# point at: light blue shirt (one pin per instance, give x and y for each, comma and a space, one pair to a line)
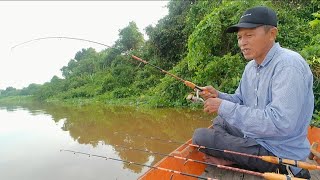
274, 103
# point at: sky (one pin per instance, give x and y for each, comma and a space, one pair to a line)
38, 61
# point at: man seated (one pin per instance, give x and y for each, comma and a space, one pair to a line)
270, 111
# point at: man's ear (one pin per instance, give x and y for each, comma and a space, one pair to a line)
273, 33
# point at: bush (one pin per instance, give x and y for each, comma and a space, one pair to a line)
123, 92
316, 119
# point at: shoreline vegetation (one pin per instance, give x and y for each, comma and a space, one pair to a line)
189, 42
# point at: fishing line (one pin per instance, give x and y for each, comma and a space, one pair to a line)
139, 164
268, 176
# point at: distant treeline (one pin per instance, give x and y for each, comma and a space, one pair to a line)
190, 42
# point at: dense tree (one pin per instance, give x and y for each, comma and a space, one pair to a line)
129, 38
30, 90
168, 36
10, 91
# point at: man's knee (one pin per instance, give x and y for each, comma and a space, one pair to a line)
199, 136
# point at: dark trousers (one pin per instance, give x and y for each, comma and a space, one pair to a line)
226, 137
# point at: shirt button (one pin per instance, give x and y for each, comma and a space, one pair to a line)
255, 105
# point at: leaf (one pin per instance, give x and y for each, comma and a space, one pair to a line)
314, 23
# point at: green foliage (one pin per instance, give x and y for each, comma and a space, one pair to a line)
204, 41
10, 91
85, 54
294, 31
224, 73
30, 90
129, 38
109, 83
81, 92
145, 79
45, 92
108, 56
123, 92
316, 21
197, 12
189, 42
203, 61
83, 63
171, 92
168, 37
316, 119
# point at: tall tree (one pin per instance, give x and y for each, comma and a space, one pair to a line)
130, 38
168, 36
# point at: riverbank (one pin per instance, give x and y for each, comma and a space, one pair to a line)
141, 102
138, 102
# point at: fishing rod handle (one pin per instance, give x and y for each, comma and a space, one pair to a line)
300, 164
274, 176
139, 59
194, 86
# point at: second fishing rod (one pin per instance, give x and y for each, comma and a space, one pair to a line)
266, 175
270, 159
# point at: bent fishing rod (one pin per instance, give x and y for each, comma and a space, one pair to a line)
139, 164
187, 83
267, 175
270, 159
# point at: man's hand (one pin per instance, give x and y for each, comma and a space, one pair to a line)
208, 92
212, 105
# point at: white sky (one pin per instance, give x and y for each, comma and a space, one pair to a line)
38, 61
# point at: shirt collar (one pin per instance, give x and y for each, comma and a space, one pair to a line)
269, 55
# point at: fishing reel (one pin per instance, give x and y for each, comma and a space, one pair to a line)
194, 97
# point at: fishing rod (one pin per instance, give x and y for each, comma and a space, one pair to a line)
187, 83
270, 159
60, 37
139, 164
268, 176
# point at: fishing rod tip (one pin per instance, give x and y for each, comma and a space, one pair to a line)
11, 49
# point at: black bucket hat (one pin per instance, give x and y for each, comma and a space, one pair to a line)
255, 17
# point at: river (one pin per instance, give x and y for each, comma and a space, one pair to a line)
32, 135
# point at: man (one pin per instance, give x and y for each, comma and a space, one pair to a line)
270, 111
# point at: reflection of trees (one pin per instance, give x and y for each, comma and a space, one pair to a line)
93, 124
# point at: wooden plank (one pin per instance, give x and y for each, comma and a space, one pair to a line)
221, 174
177, 165
197, 169
214, 172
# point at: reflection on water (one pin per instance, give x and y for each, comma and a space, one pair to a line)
32, 136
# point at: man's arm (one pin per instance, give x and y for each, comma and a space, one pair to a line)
211, 92
280, 116
235, 98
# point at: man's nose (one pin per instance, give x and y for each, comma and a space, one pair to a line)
242, 42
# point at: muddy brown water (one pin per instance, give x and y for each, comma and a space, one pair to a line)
31, 137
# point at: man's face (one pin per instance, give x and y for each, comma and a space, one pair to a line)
255, 43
